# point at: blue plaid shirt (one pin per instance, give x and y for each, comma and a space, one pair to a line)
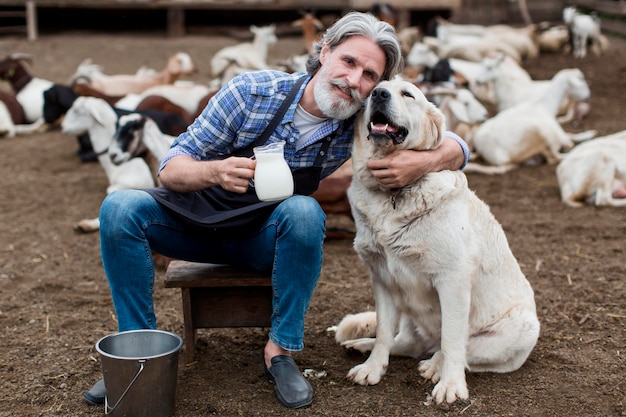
240, 111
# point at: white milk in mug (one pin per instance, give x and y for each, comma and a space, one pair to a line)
272, 176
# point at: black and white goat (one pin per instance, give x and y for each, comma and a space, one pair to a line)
137, 134
96, 117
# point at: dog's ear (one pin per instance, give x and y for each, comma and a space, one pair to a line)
434, 126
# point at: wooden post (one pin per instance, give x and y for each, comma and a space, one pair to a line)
31, 20
175, 22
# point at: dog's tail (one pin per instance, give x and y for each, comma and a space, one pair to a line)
356, 326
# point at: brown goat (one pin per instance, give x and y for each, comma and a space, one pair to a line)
311, 28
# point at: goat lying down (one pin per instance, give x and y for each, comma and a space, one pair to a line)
27, 88
530, 129
119, 85
594, 172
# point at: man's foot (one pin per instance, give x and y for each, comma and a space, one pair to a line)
96, 394
292, 388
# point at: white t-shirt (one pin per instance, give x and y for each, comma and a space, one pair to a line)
307, 124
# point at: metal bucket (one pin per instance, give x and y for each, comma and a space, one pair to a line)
140, 369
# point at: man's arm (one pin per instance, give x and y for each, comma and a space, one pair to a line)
184, 174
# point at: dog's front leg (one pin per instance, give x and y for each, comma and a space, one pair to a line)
372, 370
448, 365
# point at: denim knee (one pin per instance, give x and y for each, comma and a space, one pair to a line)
303, 217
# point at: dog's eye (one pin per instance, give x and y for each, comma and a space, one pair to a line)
405, 93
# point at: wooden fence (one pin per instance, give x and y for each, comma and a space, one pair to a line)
612, 12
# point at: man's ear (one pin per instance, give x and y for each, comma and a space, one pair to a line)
324, 53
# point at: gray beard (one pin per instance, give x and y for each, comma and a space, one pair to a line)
331, 105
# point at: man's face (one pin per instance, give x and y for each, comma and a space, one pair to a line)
347, 76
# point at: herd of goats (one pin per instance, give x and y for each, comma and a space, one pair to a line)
128, 121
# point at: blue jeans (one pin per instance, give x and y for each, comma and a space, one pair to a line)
289, 243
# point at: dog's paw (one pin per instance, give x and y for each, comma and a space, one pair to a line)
363, 345
355, 326
431, 368
450, 390
367, 373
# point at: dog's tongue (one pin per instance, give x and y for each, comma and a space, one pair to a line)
382, 128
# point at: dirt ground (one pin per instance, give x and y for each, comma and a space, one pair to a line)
55, 303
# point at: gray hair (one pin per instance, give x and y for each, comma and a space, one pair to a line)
361, 24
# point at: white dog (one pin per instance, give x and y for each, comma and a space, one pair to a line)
593, 171
445, 280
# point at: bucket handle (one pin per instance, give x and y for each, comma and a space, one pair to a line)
108, 410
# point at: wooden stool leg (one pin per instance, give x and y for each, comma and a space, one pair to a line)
189, 336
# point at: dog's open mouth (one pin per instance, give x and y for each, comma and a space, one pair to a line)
381, 127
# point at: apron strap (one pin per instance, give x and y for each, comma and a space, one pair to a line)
280, 113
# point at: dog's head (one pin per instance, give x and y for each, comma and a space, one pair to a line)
398, 116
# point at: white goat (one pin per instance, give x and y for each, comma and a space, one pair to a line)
530, 128
245, 56
583, 28
135, 134
593, 170
523, 40
512, 85
119, 85
95, 116
463, 112
472, 42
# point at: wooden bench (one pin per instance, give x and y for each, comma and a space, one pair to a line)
219, 296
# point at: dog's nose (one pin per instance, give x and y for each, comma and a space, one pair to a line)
380, 94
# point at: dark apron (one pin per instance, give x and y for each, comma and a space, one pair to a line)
218, 210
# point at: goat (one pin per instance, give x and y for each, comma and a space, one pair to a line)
583, 28
552, 38
96, 117
530, 128
523, 41
512, 85
245, 56
385, 12
311, 27
464, 72
191, 97
13, 119
136, 134
594, 172
408, 37
120, 85
28, 89
462, 111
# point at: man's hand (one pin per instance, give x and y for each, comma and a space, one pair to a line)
405, 166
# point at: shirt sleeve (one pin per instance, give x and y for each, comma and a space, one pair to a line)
462, 144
